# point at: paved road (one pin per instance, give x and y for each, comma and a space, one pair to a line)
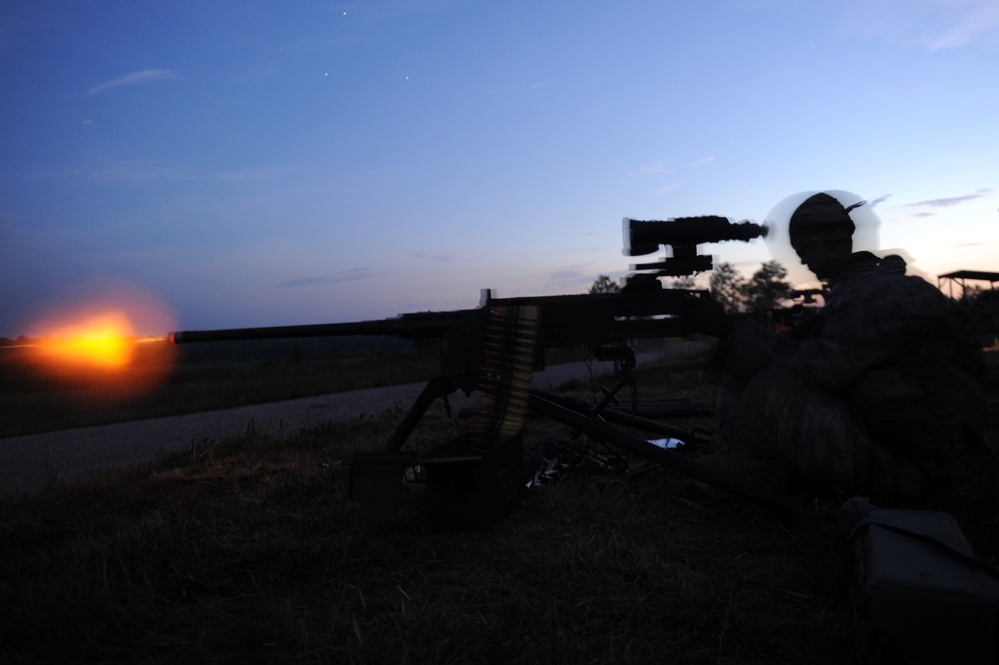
28, 462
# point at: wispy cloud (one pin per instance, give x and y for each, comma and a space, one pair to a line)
134, 171
703, 160
571, 274
945, 202
135, 78
438, 257
932, 25
653, 169
247, 175
949, 201
351, 275
146, 170
658, 170
977, 20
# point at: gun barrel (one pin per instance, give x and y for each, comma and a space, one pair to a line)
592, 319
428, 324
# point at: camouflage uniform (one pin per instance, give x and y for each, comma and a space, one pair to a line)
879, 393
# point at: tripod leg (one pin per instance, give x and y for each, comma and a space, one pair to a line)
438, 387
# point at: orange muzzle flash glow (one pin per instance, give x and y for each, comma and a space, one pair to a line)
94, 347
104, 342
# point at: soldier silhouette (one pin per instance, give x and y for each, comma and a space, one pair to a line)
878, 394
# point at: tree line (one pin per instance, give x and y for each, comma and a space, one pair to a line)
762, 291
767, 288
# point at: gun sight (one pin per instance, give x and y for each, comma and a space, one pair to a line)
683, 235
646, 237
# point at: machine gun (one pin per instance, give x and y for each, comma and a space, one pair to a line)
493, 349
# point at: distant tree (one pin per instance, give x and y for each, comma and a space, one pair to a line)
979, 309
971, 292
684, 282
728, 287
604, 284
768, 286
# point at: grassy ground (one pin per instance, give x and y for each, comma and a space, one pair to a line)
35, 401
159, 384
247, 550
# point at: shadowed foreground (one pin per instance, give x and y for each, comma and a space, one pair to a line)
34, 461
246, 550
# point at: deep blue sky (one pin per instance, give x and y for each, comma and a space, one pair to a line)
257, 163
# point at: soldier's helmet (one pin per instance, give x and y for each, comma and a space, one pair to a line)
820, 210
827, 203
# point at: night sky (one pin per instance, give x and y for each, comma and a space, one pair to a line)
257, 163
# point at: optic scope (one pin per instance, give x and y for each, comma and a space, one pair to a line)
683, 235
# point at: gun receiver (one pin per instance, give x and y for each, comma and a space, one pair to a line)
494, 348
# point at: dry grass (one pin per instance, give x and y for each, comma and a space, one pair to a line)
246, 550
34, 401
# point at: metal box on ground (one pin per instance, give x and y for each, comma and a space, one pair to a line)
918, 593
376, 477
469, 489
